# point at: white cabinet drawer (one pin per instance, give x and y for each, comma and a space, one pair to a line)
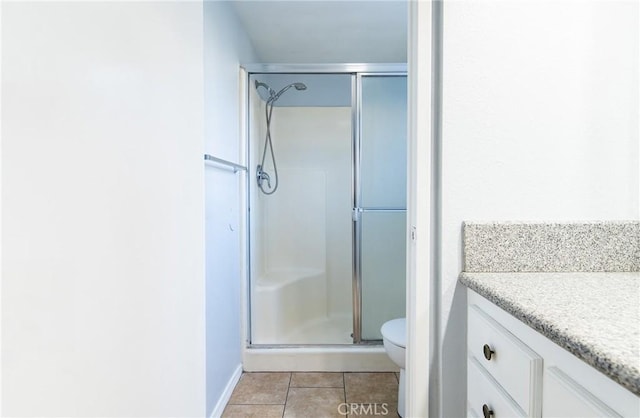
564, 397
512, 363
484, 392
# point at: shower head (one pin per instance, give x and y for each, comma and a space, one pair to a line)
298, 86
273, 96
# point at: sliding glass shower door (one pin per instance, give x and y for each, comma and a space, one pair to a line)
326, 250
380, 203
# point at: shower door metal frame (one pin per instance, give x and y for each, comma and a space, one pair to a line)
356, 70
358, 209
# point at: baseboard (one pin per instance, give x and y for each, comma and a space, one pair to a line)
226, 394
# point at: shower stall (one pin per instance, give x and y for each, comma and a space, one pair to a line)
327, 152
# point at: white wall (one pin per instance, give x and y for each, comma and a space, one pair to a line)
1, 269
103, 249
540, 122
225, 47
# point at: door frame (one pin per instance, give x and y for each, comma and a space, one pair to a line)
423, 371
355, 71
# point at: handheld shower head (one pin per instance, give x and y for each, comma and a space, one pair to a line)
261, 174
273, 96
298, 86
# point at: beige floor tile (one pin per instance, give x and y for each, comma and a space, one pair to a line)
314, 402
253, 411
261, 389
371, 387
317, 380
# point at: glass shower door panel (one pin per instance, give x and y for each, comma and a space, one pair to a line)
383, 143
382, 201
383, 267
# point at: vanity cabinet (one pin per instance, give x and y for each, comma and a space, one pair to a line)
514, 371
509, 368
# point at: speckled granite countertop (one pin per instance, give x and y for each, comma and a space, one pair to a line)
594, 315
551, 247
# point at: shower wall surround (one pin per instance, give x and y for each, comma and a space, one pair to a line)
302, 259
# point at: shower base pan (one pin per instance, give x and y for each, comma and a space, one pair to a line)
348, 358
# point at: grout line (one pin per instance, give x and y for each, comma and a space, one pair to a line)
344, 386
286, 398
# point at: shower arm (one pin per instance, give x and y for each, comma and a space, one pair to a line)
272, 93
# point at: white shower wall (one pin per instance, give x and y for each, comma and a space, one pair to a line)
314, 148
302, 234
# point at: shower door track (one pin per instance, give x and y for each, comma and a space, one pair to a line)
366, 343
349, 68
356, 70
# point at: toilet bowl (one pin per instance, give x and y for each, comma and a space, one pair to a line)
394, 338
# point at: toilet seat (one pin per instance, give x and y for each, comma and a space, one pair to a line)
395, 331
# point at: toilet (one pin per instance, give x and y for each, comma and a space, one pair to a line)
394, 338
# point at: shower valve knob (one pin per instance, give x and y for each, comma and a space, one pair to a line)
262, 176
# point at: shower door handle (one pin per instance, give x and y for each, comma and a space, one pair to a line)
355, 214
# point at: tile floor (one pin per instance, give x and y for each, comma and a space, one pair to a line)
314, 395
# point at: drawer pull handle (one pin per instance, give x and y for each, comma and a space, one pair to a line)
488, 413
488, 352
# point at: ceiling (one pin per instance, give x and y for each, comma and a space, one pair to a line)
329, 31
